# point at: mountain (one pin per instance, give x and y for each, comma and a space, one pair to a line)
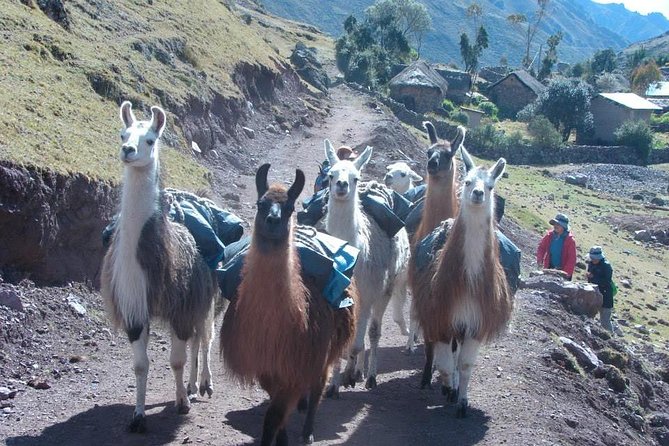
653, 47
586, 26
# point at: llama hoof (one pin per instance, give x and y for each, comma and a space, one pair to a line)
410, 351
426, 383
358, 376
348, 380
183, 407
371, 383
303, 404
138, 424
461, 411
332, 392
206, 388
308, 439
450, 394
191, 389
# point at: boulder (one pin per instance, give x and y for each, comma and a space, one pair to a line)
12, 299
308, 67
657, 201
643, 235
585, 357
577, 180
580, 298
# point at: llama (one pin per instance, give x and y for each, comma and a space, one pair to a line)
381, 269
154, 270
280, 330
400, 177
462, 298
440, 198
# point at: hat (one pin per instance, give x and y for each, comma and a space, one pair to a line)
596, 253
560, 219
346, 153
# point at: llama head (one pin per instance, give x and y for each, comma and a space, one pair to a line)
275, 205
345, 174
440, 153
139, 138
400, 177
478, 184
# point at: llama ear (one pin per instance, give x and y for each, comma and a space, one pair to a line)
414, 176
363, 159
261, 180
297, 186
157, 119
467, 159
330, 153
127, 116
431, 131
497, 170
459, 138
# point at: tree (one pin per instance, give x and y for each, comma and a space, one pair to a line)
408, 17
520, 20
551, 55
471, 52
603, 61
644, 75
566, 104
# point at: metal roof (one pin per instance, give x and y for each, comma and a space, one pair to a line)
630, 100
658, 89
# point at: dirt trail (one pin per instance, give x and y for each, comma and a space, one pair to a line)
510, 403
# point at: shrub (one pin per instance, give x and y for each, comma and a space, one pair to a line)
638, 135
543, 133
460, 117
447, 105
489, 109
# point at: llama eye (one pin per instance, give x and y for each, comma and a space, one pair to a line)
468, 183
489, 187
150, 142
403, 174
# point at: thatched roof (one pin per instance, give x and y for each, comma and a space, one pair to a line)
420, 74
526, 79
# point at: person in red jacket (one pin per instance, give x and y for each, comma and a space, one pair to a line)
557, 249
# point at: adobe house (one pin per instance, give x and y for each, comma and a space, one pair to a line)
658, 94
419, 87
459, 83
611, 110
513, 92
474, 116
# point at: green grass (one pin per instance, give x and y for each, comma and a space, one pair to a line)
533, 199
60, 90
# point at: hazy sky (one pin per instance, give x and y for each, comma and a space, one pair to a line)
643, 6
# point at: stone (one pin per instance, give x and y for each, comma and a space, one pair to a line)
626, 283
616, 379
659, 419
643, 235
75, 305
308, 67
195, 147
580, 298
637, 197
249, 132
6, 393
12, 299
577, 180
585, 357
657, 201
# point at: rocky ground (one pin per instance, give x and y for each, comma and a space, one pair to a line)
66, 378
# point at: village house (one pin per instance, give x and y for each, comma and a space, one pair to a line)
474, 116
658, 94
513, 92
611, 110
459, 83
419, 87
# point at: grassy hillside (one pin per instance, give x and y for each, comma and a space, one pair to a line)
534, 198
60, 88
587, 26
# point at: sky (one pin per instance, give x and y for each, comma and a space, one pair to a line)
642, 6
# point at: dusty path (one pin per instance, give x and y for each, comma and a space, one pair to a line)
509, 397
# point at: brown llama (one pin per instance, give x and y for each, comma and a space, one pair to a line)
280, 330
462, 298
441, 201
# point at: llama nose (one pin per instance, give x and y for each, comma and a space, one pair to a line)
274, 216
127, 149
388, 178
342, 184
478, 193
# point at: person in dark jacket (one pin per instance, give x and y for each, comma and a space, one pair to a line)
600, 273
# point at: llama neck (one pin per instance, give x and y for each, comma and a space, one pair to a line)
139, 201
440, 203
477, 227
346, 221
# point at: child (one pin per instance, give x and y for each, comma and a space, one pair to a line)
600, 273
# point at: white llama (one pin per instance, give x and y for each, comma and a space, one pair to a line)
381, 268
462, 298
400, 177
153, 269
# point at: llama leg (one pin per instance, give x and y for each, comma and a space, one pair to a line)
356, 360
399, 299
445, 362
426, 380
206, 340
139, 340
413, 334
194, 343
275, 419
335, 381
466, 360
314, 401
374, 337
178, 357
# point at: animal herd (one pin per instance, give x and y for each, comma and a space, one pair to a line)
278, 330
